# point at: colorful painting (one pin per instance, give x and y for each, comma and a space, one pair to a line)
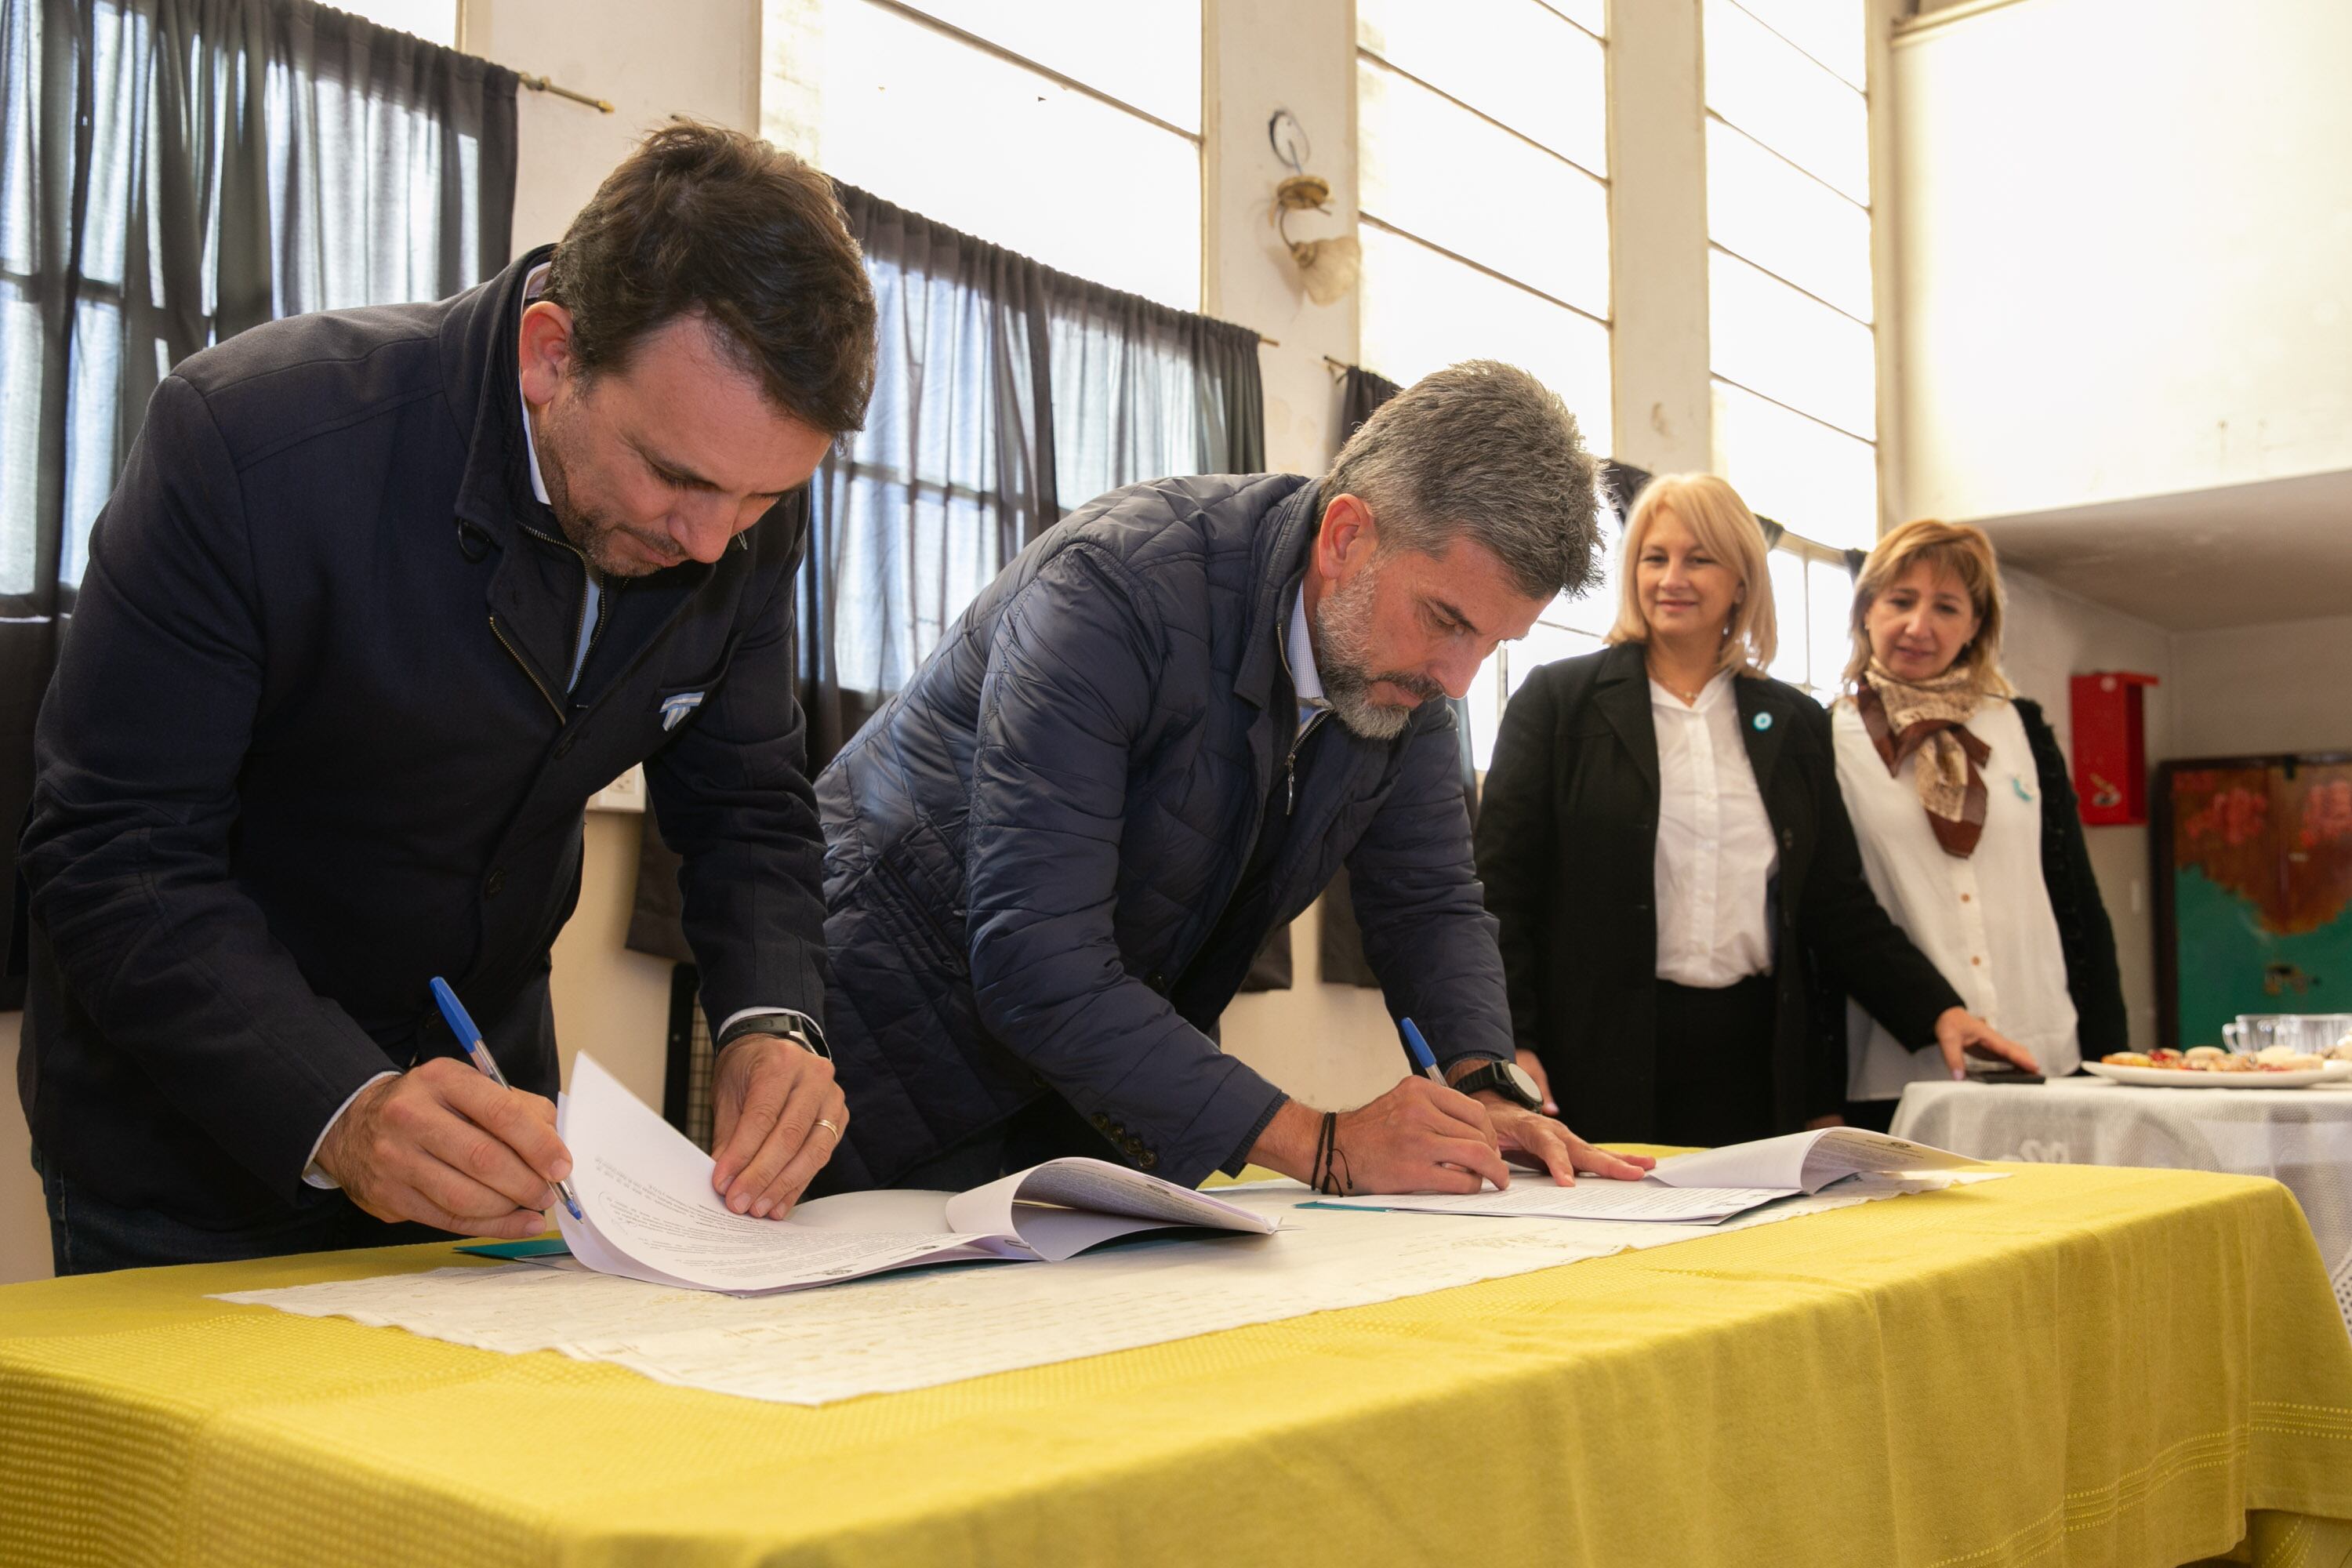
2259, 912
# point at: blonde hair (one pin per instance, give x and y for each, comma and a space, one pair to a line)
1952, 547
1726, 529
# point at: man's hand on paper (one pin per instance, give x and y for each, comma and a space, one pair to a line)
1960, 1031
771, 1096
1419, 1137
1541, 1139
444, 1145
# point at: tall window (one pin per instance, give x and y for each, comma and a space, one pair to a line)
435, 21
1482, 162
1482, 148
1064, 130
1789, 330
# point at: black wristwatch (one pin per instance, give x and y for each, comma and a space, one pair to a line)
797, 1027
1506, 1078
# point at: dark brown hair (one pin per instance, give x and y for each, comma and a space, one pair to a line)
700, 220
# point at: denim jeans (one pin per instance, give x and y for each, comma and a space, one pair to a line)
88, 1234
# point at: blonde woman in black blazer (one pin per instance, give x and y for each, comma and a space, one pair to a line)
1663, 842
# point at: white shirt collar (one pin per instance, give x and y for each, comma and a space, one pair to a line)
531, 285
1298, 650
1713, 692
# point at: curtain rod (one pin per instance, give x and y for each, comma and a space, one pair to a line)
541, 84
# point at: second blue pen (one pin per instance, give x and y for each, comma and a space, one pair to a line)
1423, 1056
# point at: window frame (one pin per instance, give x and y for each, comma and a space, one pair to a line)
1875, 440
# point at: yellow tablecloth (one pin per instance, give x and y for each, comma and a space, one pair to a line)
2077, 1365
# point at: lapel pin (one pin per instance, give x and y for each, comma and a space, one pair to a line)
1762, 722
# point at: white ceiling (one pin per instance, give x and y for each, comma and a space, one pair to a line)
2244, 555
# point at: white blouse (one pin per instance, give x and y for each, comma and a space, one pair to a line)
1715, 851
1985, 921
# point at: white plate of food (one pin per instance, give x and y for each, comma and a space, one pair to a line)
2206, 1067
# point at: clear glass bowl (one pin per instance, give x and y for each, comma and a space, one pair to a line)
2315, 1033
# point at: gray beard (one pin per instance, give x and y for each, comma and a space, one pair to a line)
1343, 626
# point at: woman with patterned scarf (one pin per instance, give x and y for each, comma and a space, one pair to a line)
1666, 851
1966, 823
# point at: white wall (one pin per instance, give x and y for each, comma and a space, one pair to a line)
2123, 225
2285, 686
698, 57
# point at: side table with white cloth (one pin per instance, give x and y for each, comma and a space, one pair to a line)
2301, 1137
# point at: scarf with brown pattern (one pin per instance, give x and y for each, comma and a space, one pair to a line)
1929, 718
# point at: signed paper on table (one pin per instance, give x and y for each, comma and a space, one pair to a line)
651, 1214
1702, 1188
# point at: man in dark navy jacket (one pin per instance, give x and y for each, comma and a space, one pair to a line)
1151, 740
383, 596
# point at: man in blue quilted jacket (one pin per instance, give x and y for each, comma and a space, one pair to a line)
1151, 742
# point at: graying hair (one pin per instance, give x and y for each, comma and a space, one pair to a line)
1485, 451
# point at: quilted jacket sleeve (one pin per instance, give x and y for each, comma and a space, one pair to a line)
1426, 929
1068, 691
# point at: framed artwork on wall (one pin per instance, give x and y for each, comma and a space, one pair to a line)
2253, 870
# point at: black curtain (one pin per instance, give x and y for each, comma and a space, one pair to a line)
172, 171
1006, 394
1361, 393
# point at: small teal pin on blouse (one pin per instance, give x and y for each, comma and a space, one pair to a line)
2019, 786
1762, 722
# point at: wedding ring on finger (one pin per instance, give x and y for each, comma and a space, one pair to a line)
829, 1127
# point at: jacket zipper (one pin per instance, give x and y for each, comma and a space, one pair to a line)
513, 653
603, 599
603, 609
1290, 764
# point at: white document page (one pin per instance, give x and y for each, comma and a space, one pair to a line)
1058, 1209
1808, 1162
1701, 1188
651, 1214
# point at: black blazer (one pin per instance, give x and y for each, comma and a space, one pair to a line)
1566, 844
309, 743
2093, 979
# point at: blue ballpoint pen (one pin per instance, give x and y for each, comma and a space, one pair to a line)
1423, 1056
461, 1024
